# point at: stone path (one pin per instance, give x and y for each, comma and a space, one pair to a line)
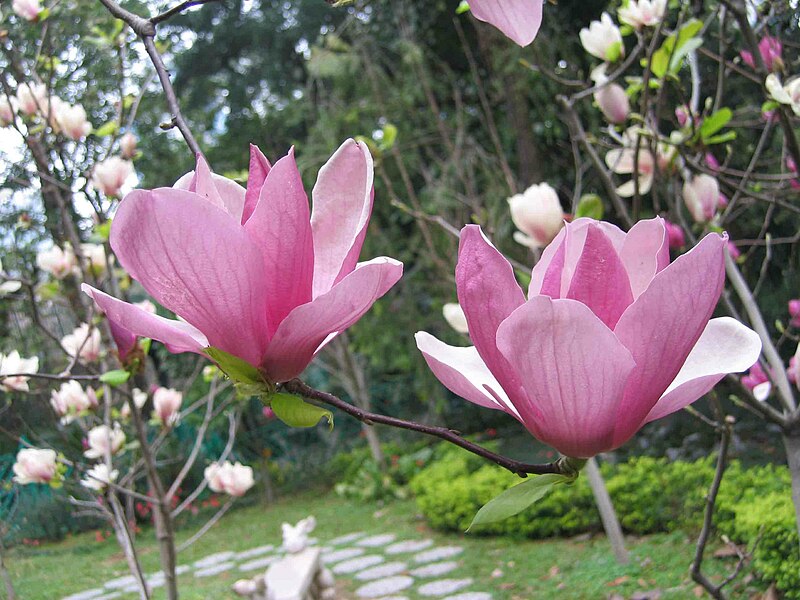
382, 566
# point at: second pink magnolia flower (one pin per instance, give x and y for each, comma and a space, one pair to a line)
251, 271
612, 336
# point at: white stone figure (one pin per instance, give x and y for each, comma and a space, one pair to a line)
295, 538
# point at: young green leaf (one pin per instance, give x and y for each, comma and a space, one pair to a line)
115, 378
590, 205
234, 367
516, 499
713, 123
295, 412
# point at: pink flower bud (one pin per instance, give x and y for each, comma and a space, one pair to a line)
167, 405
538, 215
711, 161
677, 239
701, 195
794, 312
683, 116
613, 102
72, 120
127, 145
8, 108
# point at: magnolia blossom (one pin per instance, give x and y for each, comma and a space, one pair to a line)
613, 103
603, 39
104, 440
8, 109
788, 93
677, 239
12, 363
139, 400
623, 161
519, 20
794, 312
57, 261
702, 197
757, 382
612, 335
34, 465
27, 9
98, 477
227, 478
9, 286
455, 317
273, 286
167, 405
95, 255
83, 342
537, 214
71, 399
127, 145
770, 49
793, 372
109, 175
642, 13
72, 120
31, 98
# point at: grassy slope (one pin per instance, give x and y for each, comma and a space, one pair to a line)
557, 568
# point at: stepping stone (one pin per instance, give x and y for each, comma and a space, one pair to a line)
434, 569
181, 569
409, 546
385, 570
213, 559
121, 582
111, 596
381, 587
87, 595
346, 539
471, 596
357, 564
394, 598
253, 552
260, 563
215, 570
377, 540
438, 554
340, 555
443, 587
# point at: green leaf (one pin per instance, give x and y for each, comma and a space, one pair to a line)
516, 499
115, 378
103, 230
389, 137
463, 7
234, 367
590, 205
728, 136
713, 123
106, 129
295, 412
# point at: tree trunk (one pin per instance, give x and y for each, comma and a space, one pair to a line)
791, 441
607, 513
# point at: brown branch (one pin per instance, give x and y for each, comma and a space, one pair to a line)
175, 10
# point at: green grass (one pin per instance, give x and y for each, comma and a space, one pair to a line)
523, 569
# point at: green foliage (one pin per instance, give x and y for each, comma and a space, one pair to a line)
295, 412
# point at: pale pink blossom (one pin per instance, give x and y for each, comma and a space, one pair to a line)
785, 93
57, 261
98, 477
538, 215
642, 13
109, 176
34, 465
228, 478
519, 20
27, 9
104, 440
12, 364
95, 256
455, 317
702, 197
8, 110
32, 98
248, 270
127, 145
757, 382
72, 120
603, 39
612, 335
83, 342
139, 400
167, 405
613, 102
71, 399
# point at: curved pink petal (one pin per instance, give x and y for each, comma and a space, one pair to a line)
197, 261
645, 253
302, 333
545, 271
726, 346
600, 280
519, 20
574, 370
342, 199
662, 326
220, 191
175, 335
462, 371
279, 226
488, 292
256, 176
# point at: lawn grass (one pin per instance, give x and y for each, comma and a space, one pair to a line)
508, 568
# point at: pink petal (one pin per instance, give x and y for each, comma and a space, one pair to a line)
256, 176
220, 191
342, 200
488, 293
542, 270
726, 346
280, 227
519, 20
662, 326
176, 335
645, 253
197, 261
462, 371
600, 280
574, 370
302, 333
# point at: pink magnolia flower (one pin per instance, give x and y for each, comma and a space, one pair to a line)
103, 440
538, 215
519, 20
127, 145
794, 312
227, 478
612, 335
84, 341
8, 110
702, 197
109, 176
675, 235
642, 13
27, 9
793, 372
72, 120
770, 49
757, 382
455, 317
34, 465
167, 405
71, 399
248, 270
57, 261
13, 364
613, 103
